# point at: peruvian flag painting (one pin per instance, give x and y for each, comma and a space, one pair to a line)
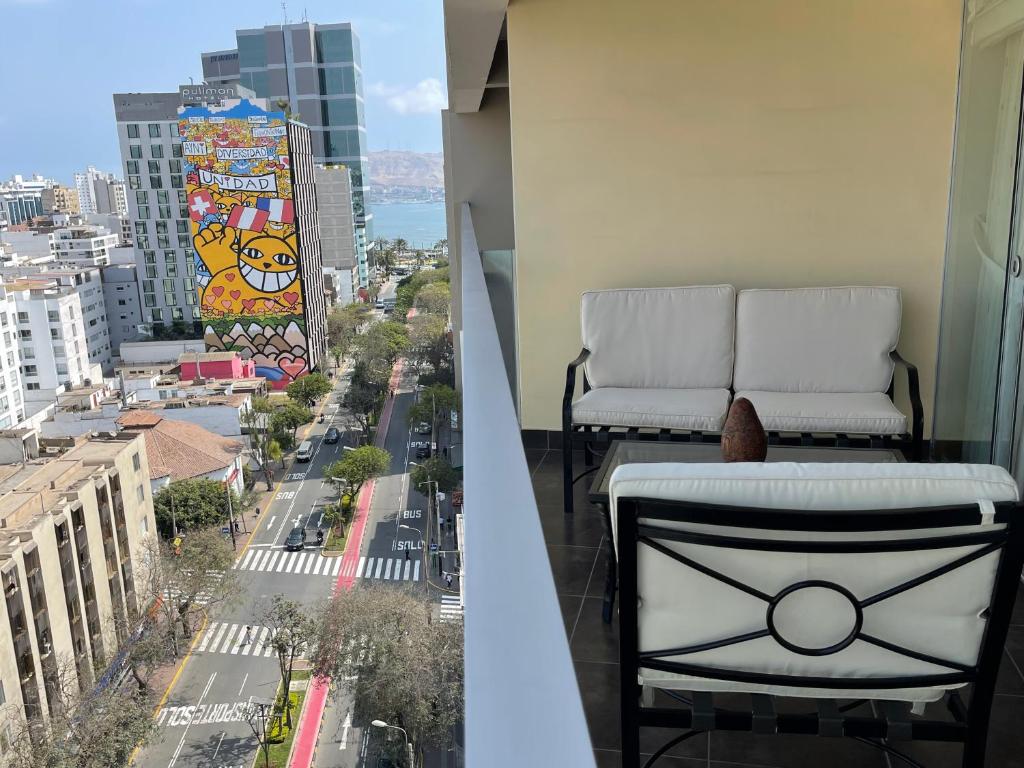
243, 217
281, 211
200, 205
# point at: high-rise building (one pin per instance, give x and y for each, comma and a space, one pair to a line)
100, 192
338, 232
147, 128
21, 198
73, 551
250, 194
60, 199
123, 304
317, 70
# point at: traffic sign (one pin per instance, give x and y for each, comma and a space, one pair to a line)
433, 546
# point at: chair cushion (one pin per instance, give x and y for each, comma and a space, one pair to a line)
816, 339
660, 338
855, 412
683, 607
687, 409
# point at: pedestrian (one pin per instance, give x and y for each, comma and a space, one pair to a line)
248, 635
407, 554
448, 580
236, 526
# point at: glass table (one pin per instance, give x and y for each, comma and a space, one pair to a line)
644, 452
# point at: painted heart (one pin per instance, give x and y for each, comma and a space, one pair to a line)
291, 297
293, 368
226, 303
248, 304
230, 276
217, 290
271, 304
236, 295
209, 299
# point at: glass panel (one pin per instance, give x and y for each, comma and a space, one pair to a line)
978, 244
499, 274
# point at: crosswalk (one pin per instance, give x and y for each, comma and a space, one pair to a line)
451, 608
225, 637
202, 598
279, 561
384, 568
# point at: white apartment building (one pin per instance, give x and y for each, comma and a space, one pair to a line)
123, 302
28, 247
100, 192
12, 408
116, 223
85, 245
87, 283
52, 336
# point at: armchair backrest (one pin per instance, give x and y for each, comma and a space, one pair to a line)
676, 338
816, 339
894, 580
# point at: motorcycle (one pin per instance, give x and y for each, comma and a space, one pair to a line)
321, 419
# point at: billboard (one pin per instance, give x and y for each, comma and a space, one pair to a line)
242, 216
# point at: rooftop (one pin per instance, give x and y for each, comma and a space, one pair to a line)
178, 449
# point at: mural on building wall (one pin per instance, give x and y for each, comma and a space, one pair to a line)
239, 194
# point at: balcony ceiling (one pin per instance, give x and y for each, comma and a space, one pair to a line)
472, 29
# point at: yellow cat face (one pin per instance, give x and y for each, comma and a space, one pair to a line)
268, 264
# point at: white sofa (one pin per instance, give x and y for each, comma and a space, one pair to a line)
793, 603
665, 363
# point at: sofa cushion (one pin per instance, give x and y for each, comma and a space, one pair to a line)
682, 606
689, 409
856, 412
816, 339
660, 338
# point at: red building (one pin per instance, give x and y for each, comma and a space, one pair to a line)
215, 365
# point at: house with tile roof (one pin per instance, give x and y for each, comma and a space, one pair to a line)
179, 450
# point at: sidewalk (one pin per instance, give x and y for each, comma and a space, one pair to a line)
316, 701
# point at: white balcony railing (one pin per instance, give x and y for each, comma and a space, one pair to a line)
523, 704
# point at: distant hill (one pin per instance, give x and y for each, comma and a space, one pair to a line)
398, 175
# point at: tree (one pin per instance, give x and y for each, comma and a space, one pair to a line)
435, 402
307, 390
441, 244
258, 715
434, 298
436, 469
91, 729
343, 324
386, 260
274, 453
291, 630
409, 286
363, 396
178, 579
255, 420
400, 244
428, 340
359, 465
383, 342
146, 649
289, 417
399, 666
192, 504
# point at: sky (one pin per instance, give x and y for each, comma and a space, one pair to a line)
65, 58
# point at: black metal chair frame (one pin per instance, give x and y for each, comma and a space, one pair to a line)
595, 438
888, 721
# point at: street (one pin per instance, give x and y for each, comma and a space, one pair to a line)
201, 721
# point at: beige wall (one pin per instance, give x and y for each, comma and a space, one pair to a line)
758, 143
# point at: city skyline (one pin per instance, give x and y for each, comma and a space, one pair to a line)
403, 94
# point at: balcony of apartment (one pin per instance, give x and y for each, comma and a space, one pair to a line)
542, 666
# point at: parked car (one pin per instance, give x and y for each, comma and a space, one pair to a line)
331, 435
423, 451
423, 428
305, 452
296, 539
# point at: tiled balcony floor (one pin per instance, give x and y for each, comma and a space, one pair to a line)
577, 561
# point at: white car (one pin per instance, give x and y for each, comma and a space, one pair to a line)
423, 428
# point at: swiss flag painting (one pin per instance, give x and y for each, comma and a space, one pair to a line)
200, 204
281, 211
243, 217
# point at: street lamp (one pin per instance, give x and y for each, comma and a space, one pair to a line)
408, 744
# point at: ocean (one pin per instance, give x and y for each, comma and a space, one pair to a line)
421, 224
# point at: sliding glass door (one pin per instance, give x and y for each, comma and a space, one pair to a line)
978, 398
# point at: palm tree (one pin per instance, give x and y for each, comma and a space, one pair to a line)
400, 244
